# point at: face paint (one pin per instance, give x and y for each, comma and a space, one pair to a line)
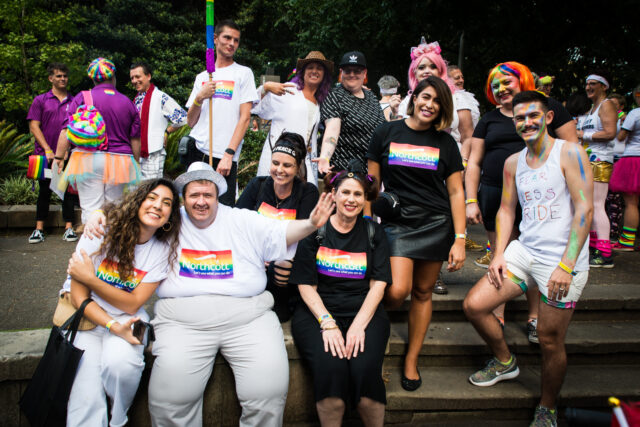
531, 125
572, 253
504, 87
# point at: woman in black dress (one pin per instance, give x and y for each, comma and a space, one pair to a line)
340, 328
420, 164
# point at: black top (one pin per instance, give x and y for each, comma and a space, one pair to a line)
415, 164
501, 139
342, 266
260, 196
359, 116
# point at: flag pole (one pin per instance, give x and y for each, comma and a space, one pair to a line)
211, 67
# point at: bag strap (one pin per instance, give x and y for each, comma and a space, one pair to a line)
322, 231
371, 233
88, 99
73, 322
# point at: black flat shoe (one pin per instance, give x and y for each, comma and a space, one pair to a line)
411, 385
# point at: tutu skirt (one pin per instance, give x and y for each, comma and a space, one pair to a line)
626, 176
111, 168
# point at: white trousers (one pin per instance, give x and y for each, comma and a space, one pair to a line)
110, 367
152, 167
93, 193
189, 333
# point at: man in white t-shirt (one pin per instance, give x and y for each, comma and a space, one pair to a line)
232, 91
214, 299
552, 181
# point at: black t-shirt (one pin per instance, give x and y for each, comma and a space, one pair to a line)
501, 139
415, 164
260, 196
342, 266
359, 118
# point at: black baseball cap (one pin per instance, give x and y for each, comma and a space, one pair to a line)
353, 58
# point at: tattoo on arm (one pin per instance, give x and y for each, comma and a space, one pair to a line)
332, 141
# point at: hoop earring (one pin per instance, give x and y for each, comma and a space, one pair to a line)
165, 224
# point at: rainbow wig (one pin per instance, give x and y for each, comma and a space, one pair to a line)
101, 69
511, 68
430, 51
325, 85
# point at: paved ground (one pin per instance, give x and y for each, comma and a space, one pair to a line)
31, 275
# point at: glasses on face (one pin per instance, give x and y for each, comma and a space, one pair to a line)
352, 70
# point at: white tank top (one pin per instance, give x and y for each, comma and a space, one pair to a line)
547, 210
597, 151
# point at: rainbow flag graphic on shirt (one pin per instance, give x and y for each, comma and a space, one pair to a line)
224, 89
414, 156
269, 211
108, 273
337, 263
206, 264
109, 92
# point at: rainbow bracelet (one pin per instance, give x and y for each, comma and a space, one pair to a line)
324, 317
109, 324
566, 268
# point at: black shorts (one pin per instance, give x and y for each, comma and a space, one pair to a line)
489, 198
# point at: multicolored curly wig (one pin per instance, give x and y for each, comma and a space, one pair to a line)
511, 68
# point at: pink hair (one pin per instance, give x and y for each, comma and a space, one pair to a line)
432, 53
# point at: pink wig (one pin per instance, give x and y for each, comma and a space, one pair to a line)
430, 51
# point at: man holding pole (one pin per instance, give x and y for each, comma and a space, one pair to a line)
231, 92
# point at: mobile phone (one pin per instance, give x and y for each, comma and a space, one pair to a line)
139, 329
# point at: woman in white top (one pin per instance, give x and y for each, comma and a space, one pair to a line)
295, 107
596, 132
120, 272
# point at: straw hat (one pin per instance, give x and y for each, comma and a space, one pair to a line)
314, 56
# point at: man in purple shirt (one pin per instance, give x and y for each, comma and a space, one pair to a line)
102, 175
46, 115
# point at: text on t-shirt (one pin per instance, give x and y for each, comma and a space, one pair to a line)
206, 264
414, 156
337, 263
108, 273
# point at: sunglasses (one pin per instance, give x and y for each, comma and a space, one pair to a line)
352, 70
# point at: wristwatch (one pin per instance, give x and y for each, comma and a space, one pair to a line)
230, 151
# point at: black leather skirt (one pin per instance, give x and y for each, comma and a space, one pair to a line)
418, 234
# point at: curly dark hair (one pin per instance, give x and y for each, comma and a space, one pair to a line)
124, 226
355, 170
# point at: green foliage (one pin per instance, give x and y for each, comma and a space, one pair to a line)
250, 156
172, 165
14, 150
18, 190
33, 34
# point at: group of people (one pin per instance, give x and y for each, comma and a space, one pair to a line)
377, 206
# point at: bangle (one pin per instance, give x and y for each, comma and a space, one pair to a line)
325, 317
195, 102
230, 151
620, 114
48, 151
366, 216
98, 210
461, 236
109, 324
567, 268
58, 158
469, 201
326, 329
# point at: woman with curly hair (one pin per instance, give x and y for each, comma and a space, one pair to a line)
120, 272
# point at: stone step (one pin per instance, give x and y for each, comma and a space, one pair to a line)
446, 389
615, 301
458, 344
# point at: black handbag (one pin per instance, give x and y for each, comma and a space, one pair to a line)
44, 402
386, 206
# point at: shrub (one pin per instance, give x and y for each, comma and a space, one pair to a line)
172, 165
250, 156
19, 190
14, 150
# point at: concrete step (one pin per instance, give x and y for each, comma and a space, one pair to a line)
446, 389
599, 301
458, 344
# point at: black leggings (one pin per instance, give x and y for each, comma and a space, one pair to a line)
334, 377
44, 196
489, 199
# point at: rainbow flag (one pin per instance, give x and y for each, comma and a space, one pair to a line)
37, 165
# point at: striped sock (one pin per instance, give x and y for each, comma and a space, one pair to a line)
593, 239
488, 246
628, 237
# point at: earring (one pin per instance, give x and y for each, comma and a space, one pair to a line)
165, 225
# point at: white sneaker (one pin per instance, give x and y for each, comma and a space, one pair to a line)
37, 236
70, 235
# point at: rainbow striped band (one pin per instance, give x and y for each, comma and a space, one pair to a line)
557, 304
109, 324
461, 236
566, 268
324, 317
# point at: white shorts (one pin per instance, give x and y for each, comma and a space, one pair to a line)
523, 269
